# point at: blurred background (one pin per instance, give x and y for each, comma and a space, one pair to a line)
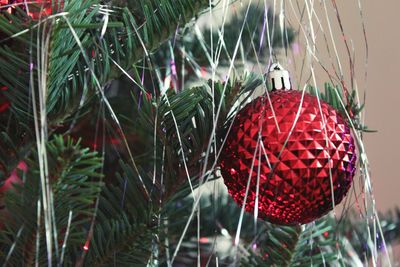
382, 105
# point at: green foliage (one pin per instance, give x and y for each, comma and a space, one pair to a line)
14, 61
79, 70
132, 32
251, 42
125, 222
74, 179
69, 77
75, 66
259, 25
174, 131
188, 122
13, 145
261, 244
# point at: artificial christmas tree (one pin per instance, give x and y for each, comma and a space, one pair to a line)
120, 145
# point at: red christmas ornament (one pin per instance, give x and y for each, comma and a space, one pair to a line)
306, 154
4, 103
13, 179
35, 9
9, 185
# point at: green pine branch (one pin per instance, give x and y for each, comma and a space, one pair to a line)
74, 70
81, 56
74, 179
134, 31
14, 145
125, 225
262, 245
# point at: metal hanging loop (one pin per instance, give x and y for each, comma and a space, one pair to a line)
279, 78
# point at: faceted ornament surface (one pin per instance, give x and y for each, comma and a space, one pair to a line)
305, 155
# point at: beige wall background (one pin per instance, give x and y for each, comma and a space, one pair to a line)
383, 95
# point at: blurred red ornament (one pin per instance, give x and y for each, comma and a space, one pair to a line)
307, 154
34, 8
13, 179
4, 103
9, 185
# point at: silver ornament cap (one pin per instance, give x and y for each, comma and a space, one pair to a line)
278, 77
